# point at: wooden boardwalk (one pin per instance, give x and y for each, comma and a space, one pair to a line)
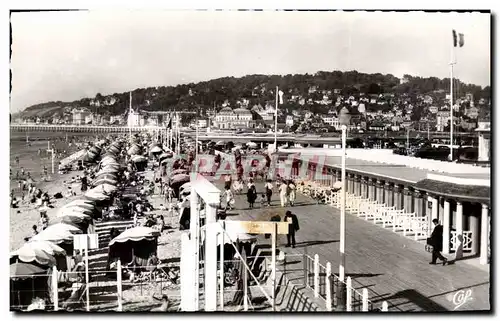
391, 266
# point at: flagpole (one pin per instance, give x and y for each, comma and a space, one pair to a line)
451, 98
276, 123
129, 114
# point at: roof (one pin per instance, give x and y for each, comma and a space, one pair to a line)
241, 111
467, 192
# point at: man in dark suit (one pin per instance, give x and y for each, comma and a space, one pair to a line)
436, 240
292, 227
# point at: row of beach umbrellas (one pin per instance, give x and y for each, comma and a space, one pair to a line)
73, 218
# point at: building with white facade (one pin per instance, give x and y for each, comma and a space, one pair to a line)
134, 118
331, 121
228, 118
289, 120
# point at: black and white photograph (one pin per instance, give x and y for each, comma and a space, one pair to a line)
249, 161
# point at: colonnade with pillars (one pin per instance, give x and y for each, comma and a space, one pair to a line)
463, 230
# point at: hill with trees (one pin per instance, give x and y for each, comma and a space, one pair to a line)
259, 89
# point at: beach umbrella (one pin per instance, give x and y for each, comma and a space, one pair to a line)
113, 149
96, 195
101, 181
252, 145
166, 155
108, 175
107, 188
25, 270
156, 149
62, 227
28, 253
74, 216
139, 159
74, 210
180, 178
135, 234
47, 247
73, 205
81, 202
220, 143
186, 186
75, 221
108, 170
55, 235
179, 171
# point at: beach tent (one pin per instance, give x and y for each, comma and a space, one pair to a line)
27, 282
107, 175
75, 211
79, 222
101, 181
134, 246
27, 254
73, 158
58, 236
156, 150
107, 188
25, 270
97, 195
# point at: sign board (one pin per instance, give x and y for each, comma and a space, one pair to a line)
92, 241
253, 227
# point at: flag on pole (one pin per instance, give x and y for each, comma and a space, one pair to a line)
280, 93
458, 39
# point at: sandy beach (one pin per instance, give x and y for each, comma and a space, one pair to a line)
27, 215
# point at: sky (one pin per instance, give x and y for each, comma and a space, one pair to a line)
67, 56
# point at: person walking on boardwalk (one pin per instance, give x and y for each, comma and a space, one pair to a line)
251, 196
283, 188
436, 240
229, 198
269, 191
291, 192
293, 227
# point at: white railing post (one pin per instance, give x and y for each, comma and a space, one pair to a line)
316, 275
349, 294
119, 285
328, 287
385, 306
55, 289
365, 300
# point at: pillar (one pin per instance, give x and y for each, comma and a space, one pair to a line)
398, 197
435, 208
419, 203
446, 227
474, 228
357, 186
371, 189
380, 191
364, 187
459, 228
408, 200
388, 197
483, 255
349, 183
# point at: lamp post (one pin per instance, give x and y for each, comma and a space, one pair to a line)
343, 206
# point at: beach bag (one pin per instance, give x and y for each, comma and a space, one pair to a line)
428, 246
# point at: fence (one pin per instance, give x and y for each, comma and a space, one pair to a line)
337, 294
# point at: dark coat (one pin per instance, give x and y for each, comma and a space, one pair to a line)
436, 239
292, 228
251, 196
